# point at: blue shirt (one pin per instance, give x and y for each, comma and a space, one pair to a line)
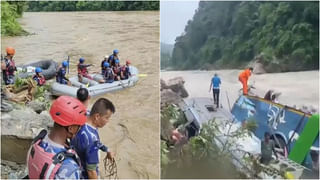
69, 168
87, 144
61, 75
216, 82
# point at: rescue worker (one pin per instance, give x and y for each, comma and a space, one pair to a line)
61, 74
117, 70
126, 70
83, 96
8, 66
87, 141
50, 155
267, 147
38, 77
215, 84
82, 69
102, 65
243, 78
109, 74
113, 57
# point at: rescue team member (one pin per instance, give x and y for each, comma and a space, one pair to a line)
87, 141
108, 74
82, 70
8, 66
117, 70
83, 96
215, 84
113, 57
49, 155
38, 77
243, 78
61, 74
102, 65
126, 70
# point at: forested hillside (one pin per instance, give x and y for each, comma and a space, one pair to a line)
231, 34
92, 5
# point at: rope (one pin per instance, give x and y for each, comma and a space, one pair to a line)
110, 167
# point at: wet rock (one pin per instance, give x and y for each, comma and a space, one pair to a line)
258, 68
177, 86
19, 127
169, 97
12, 170
257, 65
163, 85
6, 106
37, 106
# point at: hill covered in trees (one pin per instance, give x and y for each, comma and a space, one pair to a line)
92, 5
231, 34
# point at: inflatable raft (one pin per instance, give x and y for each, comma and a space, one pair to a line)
95, 88
49, 68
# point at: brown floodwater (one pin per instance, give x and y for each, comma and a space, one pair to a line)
133, 132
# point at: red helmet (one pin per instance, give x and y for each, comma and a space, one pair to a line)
10, 51
67, 111
128, 62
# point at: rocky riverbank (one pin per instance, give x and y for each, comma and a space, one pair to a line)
20, 124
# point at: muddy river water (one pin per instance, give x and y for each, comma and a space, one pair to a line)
133, 132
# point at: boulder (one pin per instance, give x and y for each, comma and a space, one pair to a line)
6, 106
19, 127
37, 106
177, 86
163, 85
169, 97
12, 170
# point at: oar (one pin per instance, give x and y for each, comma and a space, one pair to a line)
142, 75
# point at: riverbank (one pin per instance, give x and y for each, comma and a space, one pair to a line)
297, 88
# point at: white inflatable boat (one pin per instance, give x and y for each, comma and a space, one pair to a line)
94, 87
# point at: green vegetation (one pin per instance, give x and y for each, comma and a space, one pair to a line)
231, 34
36, 6
200, 156
10, 11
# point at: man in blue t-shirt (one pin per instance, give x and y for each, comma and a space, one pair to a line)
215, 84
87, 142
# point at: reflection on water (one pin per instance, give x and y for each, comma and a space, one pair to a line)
133, 132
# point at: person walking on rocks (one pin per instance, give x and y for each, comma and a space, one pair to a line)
50, 156
215, 84
243, 78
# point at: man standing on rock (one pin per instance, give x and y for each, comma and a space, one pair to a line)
243, 78
8, 66
215, 84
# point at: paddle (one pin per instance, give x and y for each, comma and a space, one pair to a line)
142, 75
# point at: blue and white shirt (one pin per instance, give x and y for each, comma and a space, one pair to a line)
69, 168
87, 144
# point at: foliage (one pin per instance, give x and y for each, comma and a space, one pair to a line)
36, 6
230, 34
19, 82
10, 11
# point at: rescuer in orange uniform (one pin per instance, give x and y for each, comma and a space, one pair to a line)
243, 78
